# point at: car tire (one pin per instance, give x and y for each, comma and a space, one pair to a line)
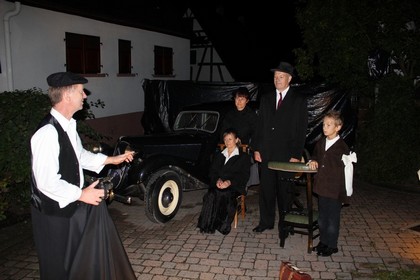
163, 196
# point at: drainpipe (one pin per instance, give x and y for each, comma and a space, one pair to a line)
6, 20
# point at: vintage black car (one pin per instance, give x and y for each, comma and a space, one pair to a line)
167, 164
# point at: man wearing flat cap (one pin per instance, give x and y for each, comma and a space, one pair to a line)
71, 223
281, 134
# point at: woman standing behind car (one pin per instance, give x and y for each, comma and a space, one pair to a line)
244, 120
242, 117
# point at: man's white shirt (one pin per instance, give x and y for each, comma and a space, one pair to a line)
45, 164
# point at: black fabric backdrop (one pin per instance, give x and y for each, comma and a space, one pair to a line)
164, 99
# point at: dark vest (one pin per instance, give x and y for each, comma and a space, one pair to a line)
69, 171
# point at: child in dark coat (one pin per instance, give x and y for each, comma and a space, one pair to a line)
329, 157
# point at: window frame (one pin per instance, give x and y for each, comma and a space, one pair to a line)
124, 58
163, 61
83, 54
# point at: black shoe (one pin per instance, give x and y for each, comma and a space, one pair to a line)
321, 246
327, 252
260, 228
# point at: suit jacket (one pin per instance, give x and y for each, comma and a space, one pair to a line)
281, 133
329, 181
236, 170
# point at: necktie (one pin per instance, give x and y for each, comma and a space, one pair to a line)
279, 102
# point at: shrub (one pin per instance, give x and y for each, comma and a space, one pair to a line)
20, 113
388, 149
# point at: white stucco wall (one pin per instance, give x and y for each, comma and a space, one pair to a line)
38, 49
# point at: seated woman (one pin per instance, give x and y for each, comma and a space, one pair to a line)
229, 174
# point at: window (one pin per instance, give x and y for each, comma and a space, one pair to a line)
193, 57
83, 54
197, 120
163, 61
124, 57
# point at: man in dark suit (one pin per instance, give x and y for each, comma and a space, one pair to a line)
281, 134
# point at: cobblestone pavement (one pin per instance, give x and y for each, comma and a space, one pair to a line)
375, 236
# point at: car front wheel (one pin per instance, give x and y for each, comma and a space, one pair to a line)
163, 196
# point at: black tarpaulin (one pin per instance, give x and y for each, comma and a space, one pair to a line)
165, 99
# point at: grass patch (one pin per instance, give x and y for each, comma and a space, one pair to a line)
401, 274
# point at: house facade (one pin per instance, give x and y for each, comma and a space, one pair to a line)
206, 64
33, 45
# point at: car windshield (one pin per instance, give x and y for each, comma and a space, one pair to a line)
198, 120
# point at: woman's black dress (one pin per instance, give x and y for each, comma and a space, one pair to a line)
219, 206
245, 123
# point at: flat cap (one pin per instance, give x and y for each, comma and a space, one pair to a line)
62, 79
284, 67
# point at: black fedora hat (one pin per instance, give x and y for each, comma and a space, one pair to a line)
284, 67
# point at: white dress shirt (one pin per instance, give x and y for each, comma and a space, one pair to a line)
235, 152
45, 164
283, 94
330, 142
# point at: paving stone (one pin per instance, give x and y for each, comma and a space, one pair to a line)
374, 236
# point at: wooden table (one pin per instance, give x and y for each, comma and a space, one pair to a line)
296, 167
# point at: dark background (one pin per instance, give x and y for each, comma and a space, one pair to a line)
250, 38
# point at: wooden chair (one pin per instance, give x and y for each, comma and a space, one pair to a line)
303, 218
303, 221
240, 210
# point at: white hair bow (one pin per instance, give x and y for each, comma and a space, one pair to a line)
348, 171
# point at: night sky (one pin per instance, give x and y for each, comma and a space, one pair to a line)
252, 39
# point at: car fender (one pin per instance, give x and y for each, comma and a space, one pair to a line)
141, 170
